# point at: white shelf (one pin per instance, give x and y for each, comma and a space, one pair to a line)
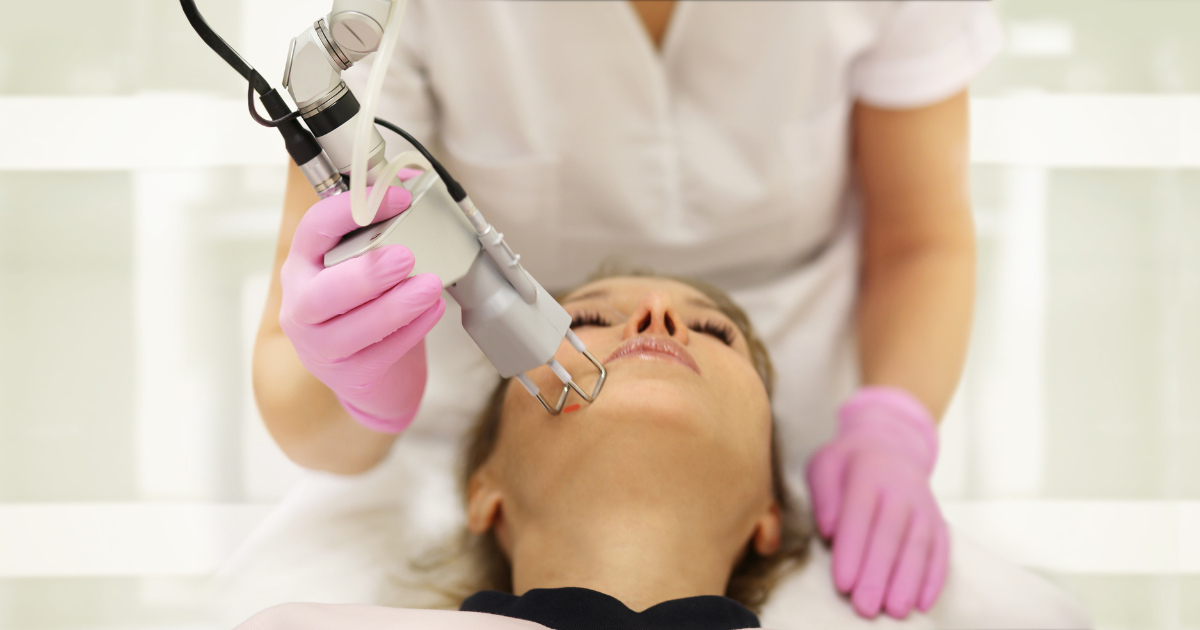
149, 132
1087, 131
1087, 537
172, 131
1074, 537
164, 539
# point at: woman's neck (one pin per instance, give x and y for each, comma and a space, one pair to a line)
639, 557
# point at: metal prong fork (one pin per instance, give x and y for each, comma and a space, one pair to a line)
578, 345
569, 383
533, 389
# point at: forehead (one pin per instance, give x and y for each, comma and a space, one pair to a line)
629, 290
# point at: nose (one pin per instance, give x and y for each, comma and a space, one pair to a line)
655, 314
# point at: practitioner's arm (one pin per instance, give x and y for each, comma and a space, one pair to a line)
918, 275
870, 485
301, 413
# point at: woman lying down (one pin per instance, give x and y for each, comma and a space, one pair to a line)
661, 505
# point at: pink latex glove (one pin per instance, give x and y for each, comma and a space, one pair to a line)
359, 326
871, 494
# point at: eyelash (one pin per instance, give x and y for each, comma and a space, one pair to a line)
720, 330
588, 319
717, 329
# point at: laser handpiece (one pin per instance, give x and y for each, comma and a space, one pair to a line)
515, 322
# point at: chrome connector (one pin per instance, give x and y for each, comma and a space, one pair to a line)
325, 179
325, 101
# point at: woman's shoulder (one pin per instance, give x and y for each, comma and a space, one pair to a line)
303, 616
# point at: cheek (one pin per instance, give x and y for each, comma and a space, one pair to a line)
743, 395
735, 381
751, 395
530, 446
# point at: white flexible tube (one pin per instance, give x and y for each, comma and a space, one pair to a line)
361, 208
389, 172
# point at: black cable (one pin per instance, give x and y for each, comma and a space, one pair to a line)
453, 187
301, 145
290, 116
222, 48
231, 56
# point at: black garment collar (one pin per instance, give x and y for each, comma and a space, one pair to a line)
584, 609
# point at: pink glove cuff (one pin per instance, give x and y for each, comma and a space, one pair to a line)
377, 424
893, 411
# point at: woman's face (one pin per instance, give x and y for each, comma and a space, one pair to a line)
683, 422
667, 345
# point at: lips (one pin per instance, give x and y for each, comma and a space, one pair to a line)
655, 348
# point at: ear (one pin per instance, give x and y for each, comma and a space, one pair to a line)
768, 531
483, 502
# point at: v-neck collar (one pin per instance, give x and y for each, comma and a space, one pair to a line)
660, 55
653, 64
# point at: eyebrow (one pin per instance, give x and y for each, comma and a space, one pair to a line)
602, 293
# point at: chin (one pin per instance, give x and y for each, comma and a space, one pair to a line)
662, 401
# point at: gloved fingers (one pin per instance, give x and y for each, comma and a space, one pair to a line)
347, 334
939, 566
353, 283
329, 220
859, 505
397, 345
825, 471
887, 534
910, 571
387, 401
406, 174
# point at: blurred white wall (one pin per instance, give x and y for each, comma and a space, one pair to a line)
138, 209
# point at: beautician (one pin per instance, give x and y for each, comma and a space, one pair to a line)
809, 157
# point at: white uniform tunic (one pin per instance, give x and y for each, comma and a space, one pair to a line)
724, 157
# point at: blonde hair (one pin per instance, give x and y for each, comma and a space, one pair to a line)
754, 575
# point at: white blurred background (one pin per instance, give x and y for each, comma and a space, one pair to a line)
138, 210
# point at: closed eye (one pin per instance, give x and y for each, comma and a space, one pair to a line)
588, 319
717, 329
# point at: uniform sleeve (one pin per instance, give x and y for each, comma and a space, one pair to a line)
407, 99
927, 51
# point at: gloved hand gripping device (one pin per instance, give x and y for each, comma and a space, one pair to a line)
508, 314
